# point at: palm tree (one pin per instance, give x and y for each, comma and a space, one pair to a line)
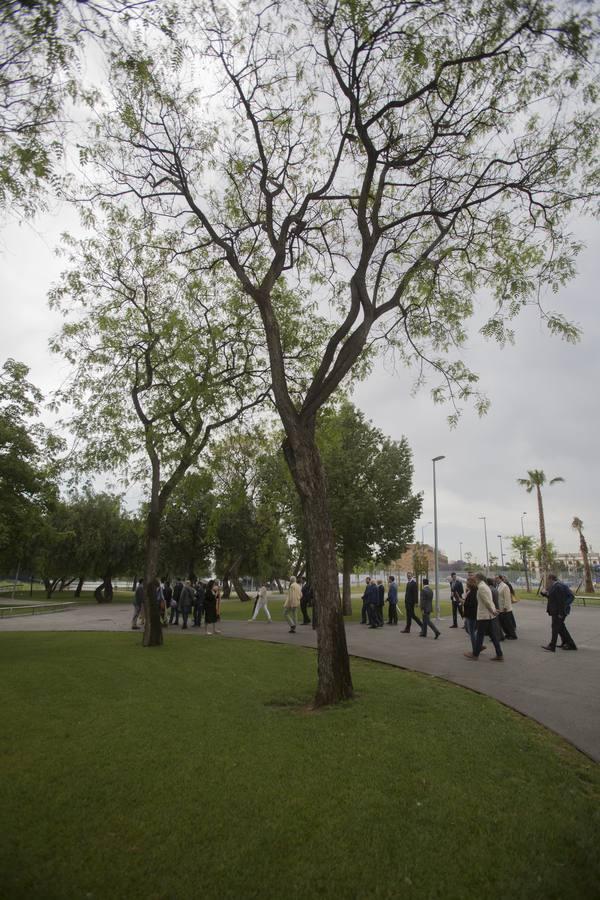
536, 479
577, 524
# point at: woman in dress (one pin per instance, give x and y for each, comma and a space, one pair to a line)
212, 601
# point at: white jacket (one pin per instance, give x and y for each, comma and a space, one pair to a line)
504, 597
485, 604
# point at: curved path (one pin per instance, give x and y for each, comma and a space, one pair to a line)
560, 690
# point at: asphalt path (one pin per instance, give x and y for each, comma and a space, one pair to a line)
560, 690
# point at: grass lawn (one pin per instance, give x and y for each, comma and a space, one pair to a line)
197, 771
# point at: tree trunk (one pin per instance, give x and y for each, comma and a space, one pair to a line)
104, 591
589, 584
304, 462
298, 569
346, 586
226, 592
279, 585
239, 589
49, 588
79, 587
526, 567
153, 633
543, 545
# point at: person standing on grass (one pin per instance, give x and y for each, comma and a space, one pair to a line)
138, 603
557, 609
456, 595
486, 624
292, 603
411, 598
506, 617
261, 603
392, 600
186, 600
306, 601
426, 606
470, 611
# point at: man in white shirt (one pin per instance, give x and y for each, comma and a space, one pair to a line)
261, 603
486, 614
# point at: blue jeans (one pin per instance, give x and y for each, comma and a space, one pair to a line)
471, 629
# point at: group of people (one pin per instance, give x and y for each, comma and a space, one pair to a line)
485, 607
200, 600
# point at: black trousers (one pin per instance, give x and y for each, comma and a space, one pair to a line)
373, 614
198, 610
456, 611
492, 629
174, 615
393, 614
410, 615
559, 628
508, 625
304, 610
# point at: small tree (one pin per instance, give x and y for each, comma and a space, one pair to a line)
524, 546
577, 524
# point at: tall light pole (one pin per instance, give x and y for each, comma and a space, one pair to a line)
423, 527
501, 552
460, 544
487, 552
525, 564
435, 539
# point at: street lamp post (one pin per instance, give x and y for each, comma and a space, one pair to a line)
460, 544
525, 563
501, 552
487, 552
423, 527
435, 539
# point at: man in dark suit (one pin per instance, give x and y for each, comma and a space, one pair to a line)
456, 594
557, 609
411, 598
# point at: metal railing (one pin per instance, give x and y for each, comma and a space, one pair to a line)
38, 608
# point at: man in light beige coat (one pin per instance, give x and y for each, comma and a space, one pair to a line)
506, 617
292, 604
486, 614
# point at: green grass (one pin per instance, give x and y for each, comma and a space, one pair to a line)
197, 771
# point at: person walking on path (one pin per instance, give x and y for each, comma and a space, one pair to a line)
211, 607
177, 589
380, 602
306, 601
411, 598
393, 601
470, 611
506, 617
363, 611
456, 595
557, 608
486, 624
261, 603
186, 600
138, 603
426, 606
372, 603
292, 603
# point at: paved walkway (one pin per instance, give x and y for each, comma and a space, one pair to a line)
560, 690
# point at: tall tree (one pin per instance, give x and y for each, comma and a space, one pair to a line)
160, 363
535, 480
577, 524
393, 160
369, 480
186, 544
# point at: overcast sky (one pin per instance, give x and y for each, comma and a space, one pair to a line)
544, 411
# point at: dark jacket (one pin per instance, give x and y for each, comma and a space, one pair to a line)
371, 594
426, 599
557, 599
411, 594
470, 604
393, 593
177, 591
186, 598
456, 589
381, 594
